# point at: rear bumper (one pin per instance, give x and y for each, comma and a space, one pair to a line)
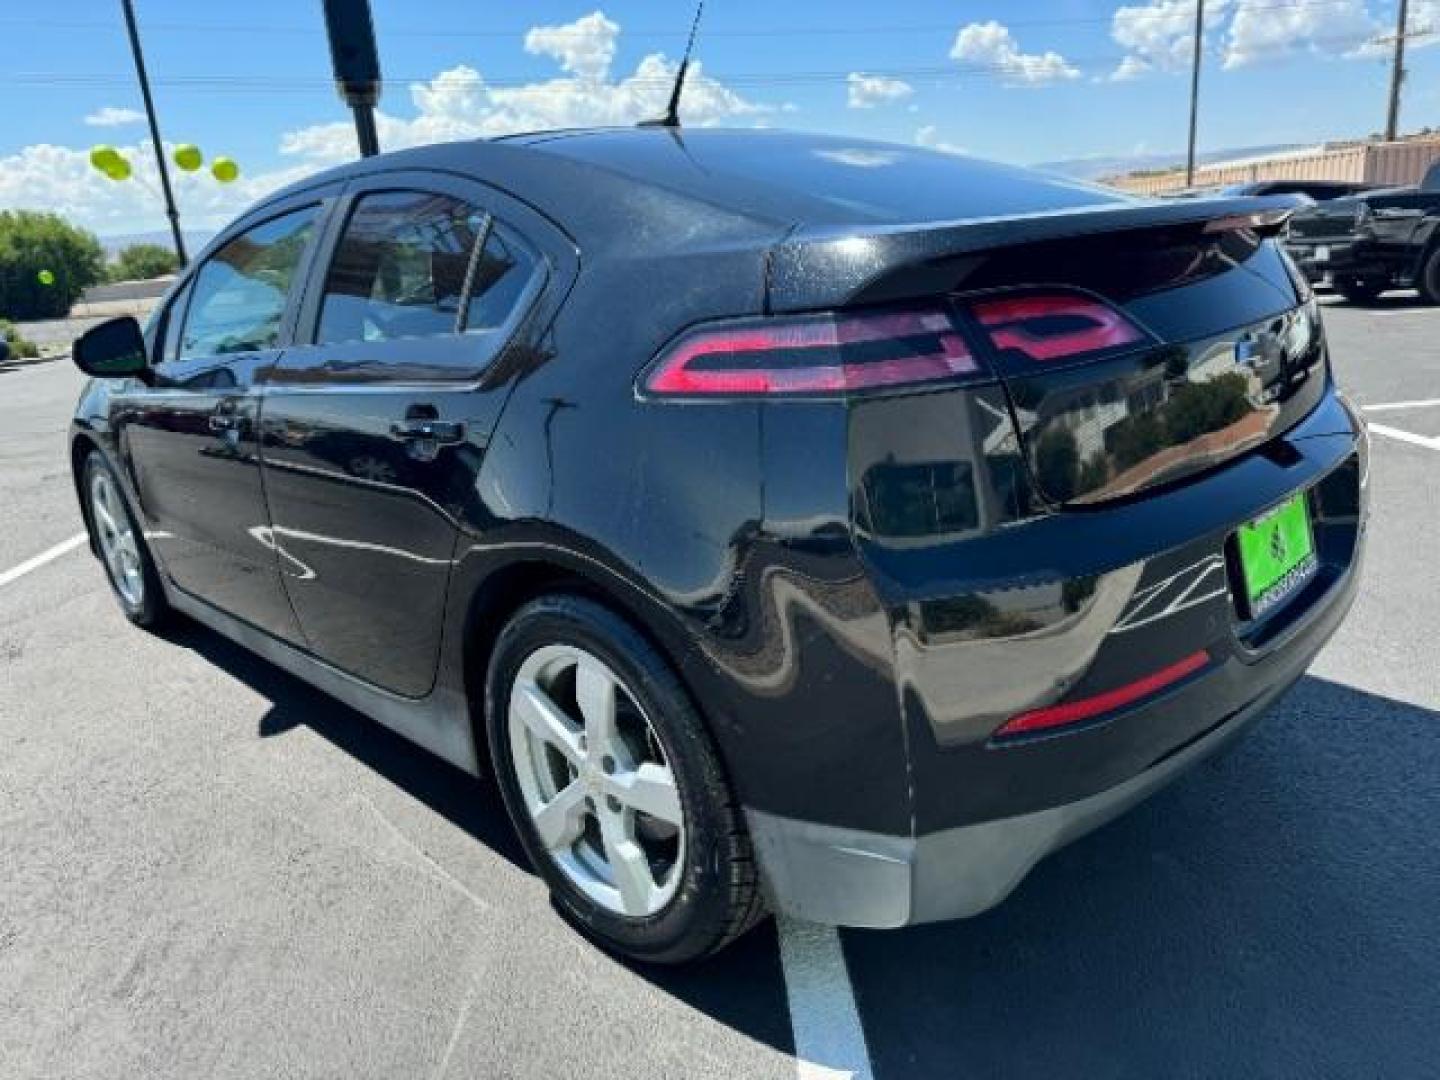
982, 813
1347, 257
848, 877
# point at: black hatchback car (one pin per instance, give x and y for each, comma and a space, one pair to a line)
784, 522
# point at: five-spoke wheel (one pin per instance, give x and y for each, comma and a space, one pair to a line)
614, 784
116, 536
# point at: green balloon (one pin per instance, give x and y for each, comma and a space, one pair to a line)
188, 157
46, 277
102, 157
119, 169
225, 170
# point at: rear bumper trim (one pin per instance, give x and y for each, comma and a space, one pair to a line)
847, 877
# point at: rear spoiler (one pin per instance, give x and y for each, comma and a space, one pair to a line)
815, 268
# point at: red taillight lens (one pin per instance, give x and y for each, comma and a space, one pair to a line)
1073, 712
1051, 326
828, 353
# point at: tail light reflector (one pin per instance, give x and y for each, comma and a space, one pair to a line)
1050, 326
1073, 712
827, 353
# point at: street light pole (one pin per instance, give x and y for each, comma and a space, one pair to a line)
170, 211
1195, 92
1397, 73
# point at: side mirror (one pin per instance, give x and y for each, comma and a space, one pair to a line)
113, 350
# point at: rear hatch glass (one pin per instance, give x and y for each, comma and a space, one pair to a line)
1155, 358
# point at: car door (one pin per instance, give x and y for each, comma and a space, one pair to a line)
376, 420
190, 438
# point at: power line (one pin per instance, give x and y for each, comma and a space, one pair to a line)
1181, 17
304, 83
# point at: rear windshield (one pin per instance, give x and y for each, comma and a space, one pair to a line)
831, 180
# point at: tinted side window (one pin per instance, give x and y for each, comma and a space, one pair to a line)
241, 291
502, 272
399, 269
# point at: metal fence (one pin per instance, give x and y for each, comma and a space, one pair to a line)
1387, 163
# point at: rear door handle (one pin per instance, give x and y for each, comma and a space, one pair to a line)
438, 431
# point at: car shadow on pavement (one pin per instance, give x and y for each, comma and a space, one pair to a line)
743, 987
1273, 914
455, 795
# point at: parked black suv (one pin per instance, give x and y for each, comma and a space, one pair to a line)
1365, 244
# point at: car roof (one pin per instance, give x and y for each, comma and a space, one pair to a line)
598, 182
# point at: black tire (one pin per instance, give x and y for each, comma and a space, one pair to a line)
1429, 280
152, 610
717, 897
1360, 290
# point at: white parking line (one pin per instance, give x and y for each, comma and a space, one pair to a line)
48, 555
829, 1041
1405, 436
1397, 406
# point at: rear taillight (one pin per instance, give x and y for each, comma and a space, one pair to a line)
826, 354
1049, 327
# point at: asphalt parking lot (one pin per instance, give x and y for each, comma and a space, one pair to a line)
211, 870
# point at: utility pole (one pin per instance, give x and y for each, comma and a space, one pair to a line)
1195, 91
170, 211
1397, 73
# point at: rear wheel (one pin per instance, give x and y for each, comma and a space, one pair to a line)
121, 544
1360, 290
614, 787
1429, 283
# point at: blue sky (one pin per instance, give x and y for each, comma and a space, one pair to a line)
1033, 82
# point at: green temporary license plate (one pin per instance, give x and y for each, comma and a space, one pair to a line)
1277, 554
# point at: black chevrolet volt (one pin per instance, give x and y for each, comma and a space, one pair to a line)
783, 523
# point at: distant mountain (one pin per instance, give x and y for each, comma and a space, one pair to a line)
1094, 168
194, 241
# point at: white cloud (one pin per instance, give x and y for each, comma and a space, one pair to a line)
114, 116
60, 178
867, 91
460, 104
456, 104
1160, 36
991, 44
929, 137
1424, 24
1264, 30
584, 48
1132, 67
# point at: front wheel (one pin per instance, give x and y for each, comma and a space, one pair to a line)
1429, 283
121, 545
614, 786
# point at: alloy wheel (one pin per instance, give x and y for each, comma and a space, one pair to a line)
118, 544
596, 781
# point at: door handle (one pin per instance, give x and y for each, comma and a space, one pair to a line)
437, 431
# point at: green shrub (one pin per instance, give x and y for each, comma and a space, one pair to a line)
20, 347
141, 262
32, 242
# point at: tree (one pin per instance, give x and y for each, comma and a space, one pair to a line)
34, 243
141, 262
